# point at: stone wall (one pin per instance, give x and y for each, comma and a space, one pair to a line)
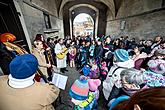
134, 7
143, 19
48, 5
34, 18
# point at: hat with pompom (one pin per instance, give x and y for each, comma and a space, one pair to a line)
80, 89
94, 84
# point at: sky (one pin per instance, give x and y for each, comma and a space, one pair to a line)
81, 17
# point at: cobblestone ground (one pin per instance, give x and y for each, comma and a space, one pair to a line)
64, 99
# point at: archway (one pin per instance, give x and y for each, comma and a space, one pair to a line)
96, 10
87, 9
83, 24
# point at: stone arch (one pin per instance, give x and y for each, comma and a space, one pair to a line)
109, 3
84, 5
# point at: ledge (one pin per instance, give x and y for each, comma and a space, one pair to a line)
51, 30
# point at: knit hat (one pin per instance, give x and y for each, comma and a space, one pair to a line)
79, 89
94, 84
118, 100
121, 55
22, 70
157, 66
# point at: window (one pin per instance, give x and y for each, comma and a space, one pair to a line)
47, 21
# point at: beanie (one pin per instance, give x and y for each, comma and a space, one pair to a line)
79, 89
121, 55
118, 100
94, 84
23, 66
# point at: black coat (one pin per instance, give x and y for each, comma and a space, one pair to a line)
98, 52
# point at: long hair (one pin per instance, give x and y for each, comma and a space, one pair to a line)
147, 99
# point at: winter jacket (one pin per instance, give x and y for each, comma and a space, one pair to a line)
35, 97
113, 78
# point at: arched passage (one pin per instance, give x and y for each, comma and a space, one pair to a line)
84, 8
96, 10
83, 24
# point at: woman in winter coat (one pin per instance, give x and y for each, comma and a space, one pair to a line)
112, 83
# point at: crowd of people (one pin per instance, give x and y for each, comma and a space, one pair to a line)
125, 69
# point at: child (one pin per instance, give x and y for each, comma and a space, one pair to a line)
72, 55
104, 70
94, 71
91, 49
84, 93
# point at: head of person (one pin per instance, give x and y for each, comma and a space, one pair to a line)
137, 49
160, 53
117, 41
122, 44
108, 40
121, 38
39, 37
83, 43
72, 43
163, 44
38, 44
141, 42
121, 55
50, 40
88, 43
133, 40
79, 90
22, 71
158, 38
157, 66
99, 42
93, 42
131, 79
60, 41
147, 99
149, 42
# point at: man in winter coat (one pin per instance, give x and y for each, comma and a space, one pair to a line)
19, 91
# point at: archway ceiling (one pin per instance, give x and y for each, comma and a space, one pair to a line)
113, 5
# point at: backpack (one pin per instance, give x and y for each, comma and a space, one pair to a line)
86, 70
111, 85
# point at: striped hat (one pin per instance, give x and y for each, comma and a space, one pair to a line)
121, 55
79, 89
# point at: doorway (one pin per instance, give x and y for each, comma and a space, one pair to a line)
83, 25
9, 22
